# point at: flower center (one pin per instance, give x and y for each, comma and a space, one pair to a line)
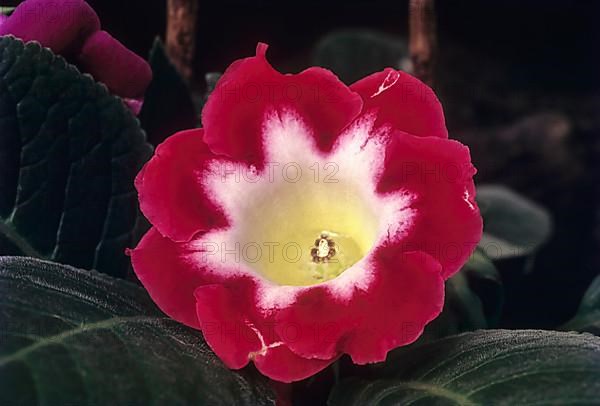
307, 232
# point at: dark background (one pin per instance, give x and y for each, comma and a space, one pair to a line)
546, 38
519, 81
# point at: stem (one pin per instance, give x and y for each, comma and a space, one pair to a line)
182, 16
423, 39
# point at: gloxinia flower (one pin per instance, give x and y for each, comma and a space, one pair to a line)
307, 219
71, 28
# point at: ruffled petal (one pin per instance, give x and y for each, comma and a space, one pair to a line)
110, 62
61, 25
417, 185
238, 332
250, 89
165, 271
406, 292
225, 327
283, 365
402, 102
170, 188
439, 175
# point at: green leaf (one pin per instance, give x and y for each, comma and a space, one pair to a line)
354, 54
77, 337
588, 314
489, 367
168, 105
69, 152
513, 225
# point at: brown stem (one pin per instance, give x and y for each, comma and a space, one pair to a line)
423, 39
182, 16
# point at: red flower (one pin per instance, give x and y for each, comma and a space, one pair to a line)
307, 219
71, 28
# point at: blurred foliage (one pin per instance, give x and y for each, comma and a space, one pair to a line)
354, 54
211, 78
168, 105
473, 301
6, 10
513, 225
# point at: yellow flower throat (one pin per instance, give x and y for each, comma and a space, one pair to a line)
314, 231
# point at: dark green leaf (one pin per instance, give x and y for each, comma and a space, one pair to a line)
168, 105
588, 314
69, 152
78, 337
513, 225
355, 54
489, 367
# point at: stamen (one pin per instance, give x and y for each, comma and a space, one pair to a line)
324, 249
